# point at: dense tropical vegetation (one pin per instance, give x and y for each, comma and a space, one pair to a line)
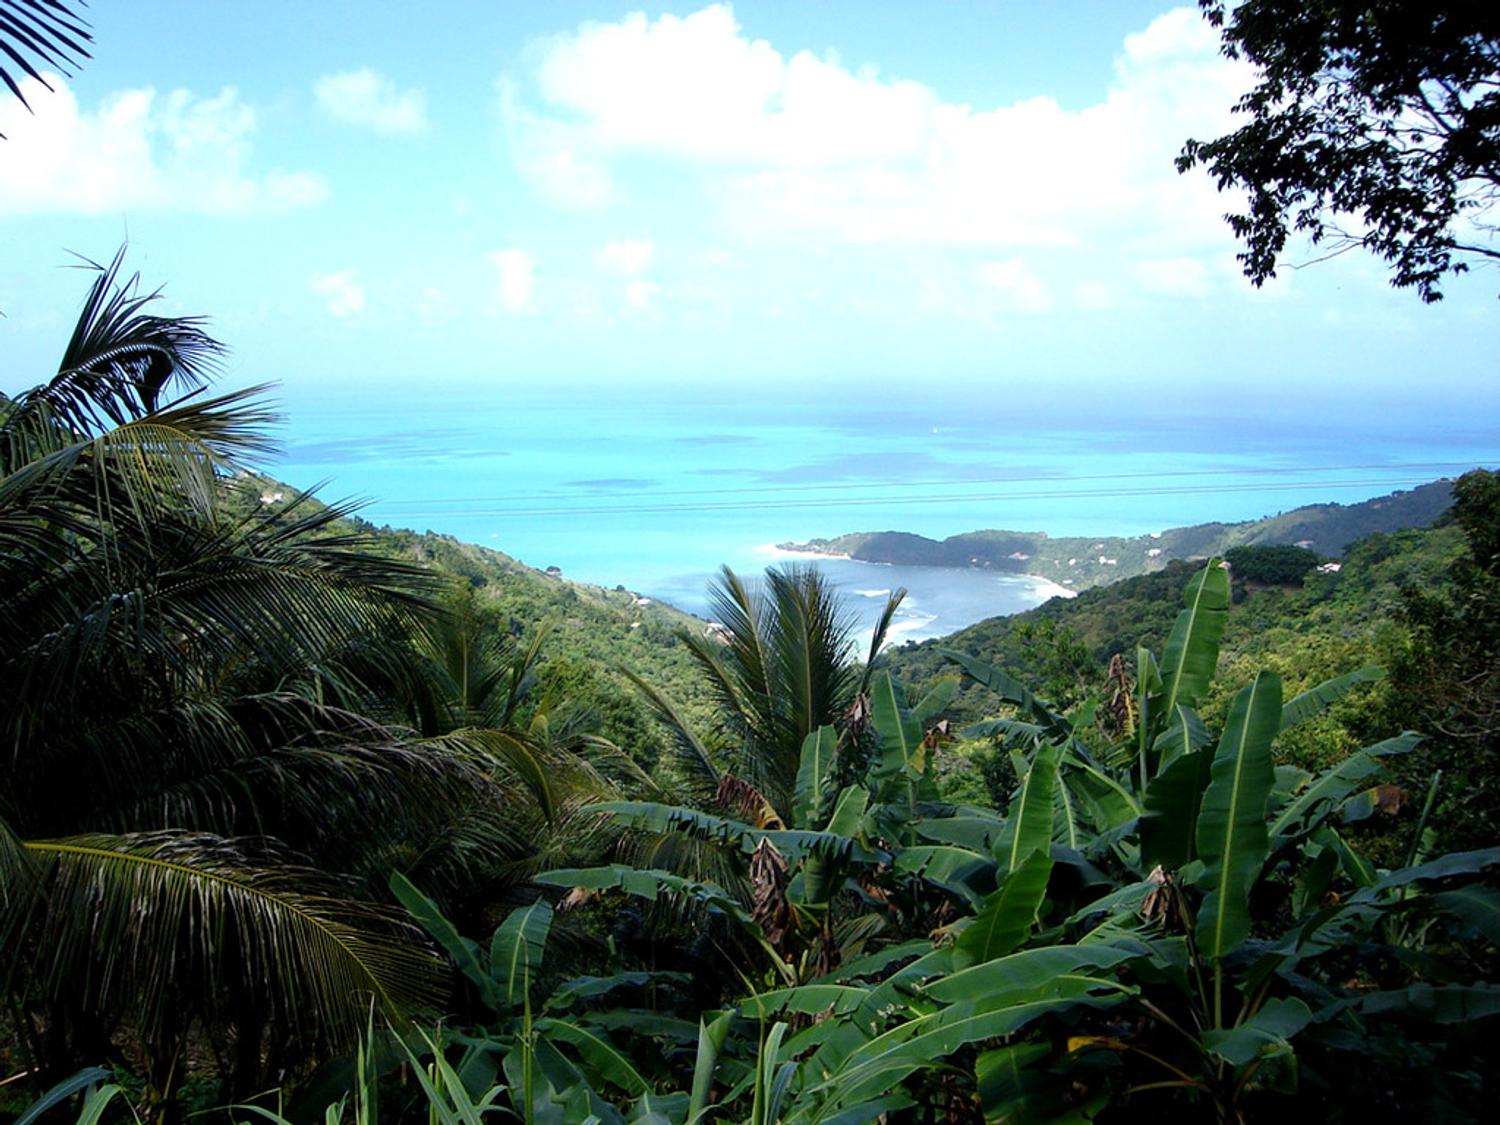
303, 819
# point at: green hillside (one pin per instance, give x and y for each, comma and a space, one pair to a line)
1330, 624
597, 632
1082, 562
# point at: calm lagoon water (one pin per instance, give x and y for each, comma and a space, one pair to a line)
656, 491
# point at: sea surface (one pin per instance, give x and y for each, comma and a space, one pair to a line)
655, 491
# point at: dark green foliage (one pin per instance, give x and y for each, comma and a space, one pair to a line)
1446, 674
1373, 125
1332, 623
1273, 566
202, 785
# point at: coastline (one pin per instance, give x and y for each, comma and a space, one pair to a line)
781, 551
1040, 583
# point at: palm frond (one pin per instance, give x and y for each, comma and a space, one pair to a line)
18, 872
877, 637
732, 606
692, 751
812, 657
738, 711
40, 33
149, 924
121, 358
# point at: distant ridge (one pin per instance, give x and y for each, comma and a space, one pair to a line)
1079, 563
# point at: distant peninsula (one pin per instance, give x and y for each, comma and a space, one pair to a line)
1082, 562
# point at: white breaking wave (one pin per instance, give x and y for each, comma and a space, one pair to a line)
771, 550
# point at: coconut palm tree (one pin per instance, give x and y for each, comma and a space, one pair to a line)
781, 663
190, 835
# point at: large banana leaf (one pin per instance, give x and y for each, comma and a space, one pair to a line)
1013, 730
900, 731
1169, 821
590, 987
813, 775
1192, 652
1316, 700
1445, 867
1185, 734
1111, 803
1231, 836
893, 1056
1006, 917
823, 868
1478, 908
713, 1030
807, 999
651, 885
936, 701
954, 869
874, 964
1014, 692
1266, 1032
647, 884
598, 1052
464, 952
971, 828
1305, 810
1008, 1087
1028, 826
794, 844
516, 951
1147, 688
1029, 972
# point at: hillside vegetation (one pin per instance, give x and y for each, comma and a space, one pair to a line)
1081, 562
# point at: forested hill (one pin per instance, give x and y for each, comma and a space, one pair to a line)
595, 633
1308, 631
1083, 562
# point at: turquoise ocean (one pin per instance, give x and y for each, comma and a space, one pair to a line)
655, 490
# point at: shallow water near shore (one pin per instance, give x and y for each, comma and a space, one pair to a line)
655, 491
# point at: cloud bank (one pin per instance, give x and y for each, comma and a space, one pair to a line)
801, 146
140, 149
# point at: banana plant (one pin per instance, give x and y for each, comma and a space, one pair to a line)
555, 1054
1235, 898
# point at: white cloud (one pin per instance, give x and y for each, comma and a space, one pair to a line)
139, 150
345, 295
627, 257
515, 271
803, 147
369, 99
747, 103
1022, 290
547, 155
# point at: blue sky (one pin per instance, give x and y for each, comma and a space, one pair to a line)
846, 197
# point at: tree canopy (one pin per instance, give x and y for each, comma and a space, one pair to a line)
1372, 124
